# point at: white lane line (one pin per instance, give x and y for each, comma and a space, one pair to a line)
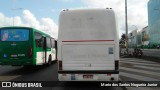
142, 71
139, 77
138, 61
147, 67
134, 59
8, 78
143, 64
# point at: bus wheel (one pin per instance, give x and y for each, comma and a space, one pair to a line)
49, 60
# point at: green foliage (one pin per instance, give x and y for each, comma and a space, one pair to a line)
123, 39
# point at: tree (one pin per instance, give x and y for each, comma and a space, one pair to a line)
123, 39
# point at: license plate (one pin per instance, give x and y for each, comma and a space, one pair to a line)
13, 55
87, 76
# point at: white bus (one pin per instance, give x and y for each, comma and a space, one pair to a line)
88, 46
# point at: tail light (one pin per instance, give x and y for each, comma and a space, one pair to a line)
30, 52
59, 65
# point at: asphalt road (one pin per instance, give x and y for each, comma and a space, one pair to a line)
146, 52
131, 69
151, 52
41, 73
20, 73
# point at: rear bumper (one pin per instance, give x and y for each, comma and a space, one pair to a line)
88, 72
102, 75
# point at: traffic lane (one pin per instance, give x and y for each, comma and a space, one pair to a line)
48, 88
5, 69
66, 88
42, 73
88, 88
147, 52
39, 73
151, 53
155, 54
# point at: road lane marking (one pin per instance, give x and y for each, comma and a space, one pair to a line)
140, 61
148, 67
141, 64
8, 78
139, 77
141, 71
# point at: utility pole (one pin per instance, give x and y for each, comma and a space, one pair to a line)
15, 9
126, 26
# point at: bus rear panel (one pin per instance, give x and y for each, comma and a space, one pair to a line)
88, 47
16, 46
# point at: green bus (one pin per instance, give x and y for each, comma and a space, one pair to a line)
26, 46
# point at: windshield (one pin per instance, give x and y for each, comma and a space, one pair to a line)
14, 35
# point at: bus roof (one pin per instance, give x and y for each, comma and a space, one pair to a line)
14, 27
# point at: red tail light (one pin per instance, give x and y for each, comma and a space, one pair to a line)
30, 52
60, 65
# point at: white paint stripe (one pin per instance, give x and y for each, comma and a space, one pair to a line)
147, 67
128, 58
141, 71
138, 77
140, 61
142, 64
133, 59
8, 78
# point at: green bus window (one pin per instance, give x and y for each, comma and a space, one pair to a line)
48, 42
14, 35
53, 43
38, 39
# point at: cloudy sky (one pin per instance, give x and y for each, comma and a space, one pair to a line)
43, 14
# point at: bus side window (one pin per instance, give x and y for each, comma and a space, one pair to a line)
38, 39
53, 43
48, 42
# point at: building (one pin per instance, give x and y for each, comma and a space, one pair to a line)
154, 22
139, 38
132, 39
145, 36
149, 36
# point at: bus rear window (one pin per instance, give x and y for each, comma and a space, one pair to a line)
14, 35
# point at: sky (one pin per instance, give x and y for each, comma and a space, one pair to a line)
44, 14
